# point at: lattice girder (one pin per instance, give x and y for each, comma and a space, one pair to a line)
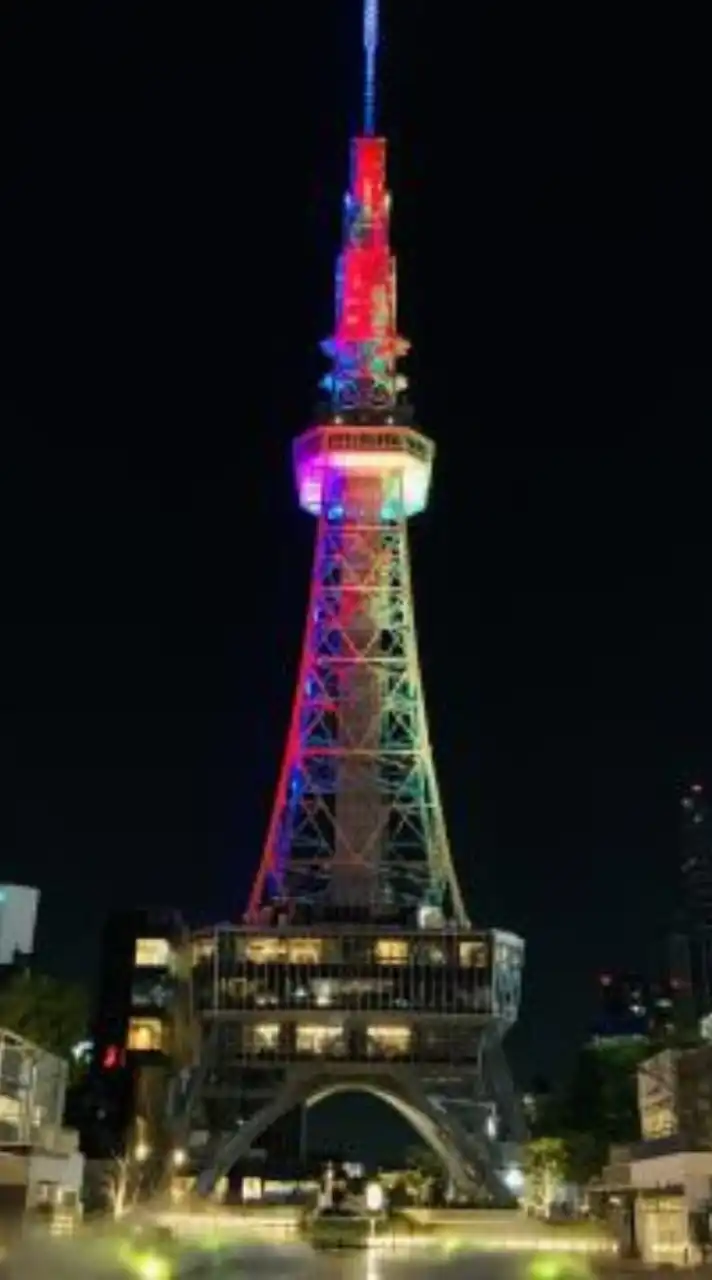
358, 798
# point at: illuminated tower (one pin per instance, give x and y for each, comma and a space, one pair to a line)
356, 966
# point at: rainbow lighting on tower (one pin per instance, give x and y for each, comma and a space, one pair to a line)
357, 815
356, 966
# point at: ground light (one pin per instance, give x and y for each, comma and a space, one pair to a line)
151, 1267
147, 1265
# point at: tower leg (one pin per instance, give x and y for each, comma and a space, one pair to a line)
467, 1157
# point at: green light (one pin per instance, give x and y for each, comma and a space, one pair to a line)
150, 1266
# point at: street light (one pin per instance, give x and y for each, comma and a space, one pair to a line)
141, 1152
179, 1158
375, 1200
374, 1197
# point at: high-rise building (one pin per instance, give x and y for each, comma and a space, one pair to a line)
18, 921
691, 944
357, 966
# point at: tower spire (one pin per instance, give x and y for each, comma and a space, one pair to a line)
366, 346
370, 49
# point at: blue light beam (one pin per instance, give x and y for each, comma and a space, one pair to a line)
370, 46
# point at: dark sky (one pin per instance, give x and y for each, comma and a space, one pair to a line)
170, 187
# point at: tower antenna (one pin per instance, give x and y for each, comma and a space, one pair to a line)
370, 48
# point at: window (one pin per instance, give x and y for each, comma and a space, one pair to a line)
316, 1039
146, 1035
152, 953
304, 950
391, 951
151, 991
473, 954
264, 950
283, 950
388, 1041
658, 1121
265, 1037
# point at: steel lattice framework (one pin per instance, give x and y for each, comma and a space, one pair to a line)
357, 816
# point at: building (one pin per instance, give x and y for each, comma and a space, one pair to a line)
40, 1162
660, 1189
18, 921
138, 1008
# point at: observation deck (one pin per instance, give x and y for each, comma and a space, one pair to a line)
345, 451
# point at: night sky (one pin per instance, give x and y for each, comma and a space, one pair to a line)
170, 188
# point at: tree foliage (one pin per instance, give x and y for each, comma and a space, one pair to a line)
596, 1109
545, 1167
51, 1013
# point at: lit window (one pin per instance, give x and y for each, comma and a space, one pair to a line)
279, 950
152, 953
145, 1035
391, 951
658, 1121
473, 954
264, 950
388, 1041
265, 1037
304, 950
314, 1038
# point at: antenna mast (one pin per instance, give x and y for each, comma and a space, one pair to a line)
370, 48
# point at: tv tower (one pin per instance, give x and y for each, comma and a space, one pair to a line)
356, 966
357, 819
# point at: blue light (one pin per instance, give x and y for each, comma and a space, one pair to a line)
370, 45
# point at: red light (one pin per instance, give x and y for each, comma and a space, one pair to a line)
112, 1058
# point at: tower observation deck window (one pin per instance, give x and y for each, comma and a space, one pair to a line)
146, 1035
152, 953
391, 951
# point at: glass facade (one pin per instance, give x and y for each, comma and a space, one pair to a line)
32, 1090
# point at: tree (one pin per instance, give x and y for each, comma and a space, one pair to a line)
425, 1172
602, 1097
51, 1013
545, 1168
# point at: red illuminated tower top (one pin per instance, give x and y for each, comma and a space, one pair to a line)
365, 345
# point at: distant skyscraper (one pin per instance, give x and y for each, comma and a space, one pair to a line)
18, 919
632, 1007
692, 943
